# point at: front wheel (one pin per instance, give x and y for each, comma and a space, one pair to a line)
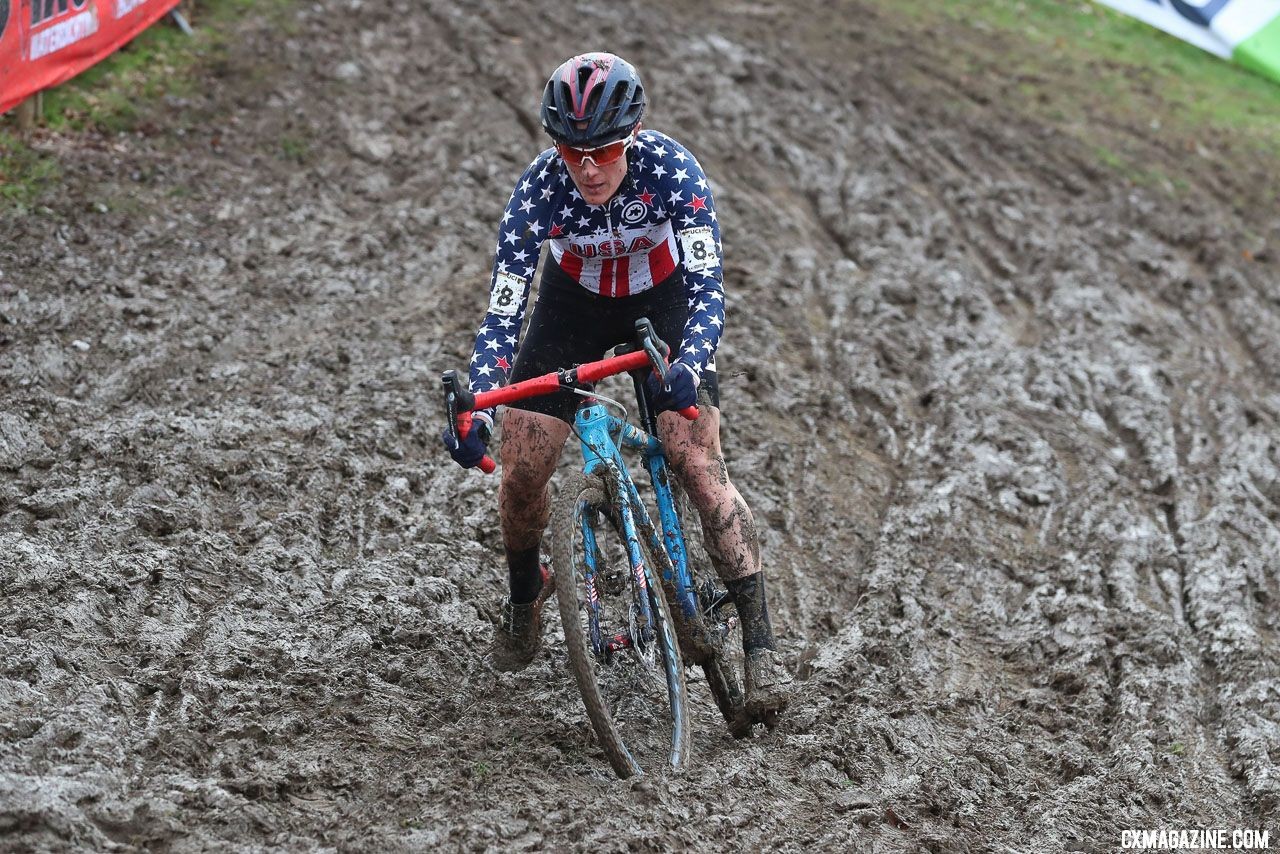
622, 646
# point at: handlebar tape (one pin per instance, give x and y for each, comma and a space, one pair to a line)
594, 371
547, 383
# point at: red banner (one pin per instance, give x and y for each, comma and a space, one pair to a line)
46, 42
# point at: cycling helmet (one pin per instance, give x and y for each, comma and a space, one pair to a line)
591, 100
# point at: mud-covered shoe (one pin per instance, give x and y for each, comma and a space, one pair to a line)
768, 682
518, 635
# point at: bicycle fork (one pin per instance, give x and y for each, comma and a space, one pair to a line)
640, 634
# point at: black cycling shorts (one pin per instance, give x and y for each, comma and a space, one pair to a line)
572, 326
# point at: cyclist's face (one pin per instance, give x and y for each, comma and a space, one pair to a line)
597, 184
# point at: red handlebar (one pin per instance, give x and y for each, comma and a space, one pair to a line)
548, 383
590, 372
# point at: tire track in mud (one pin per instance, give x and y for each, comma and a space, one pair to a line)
1115, 687
1178, 493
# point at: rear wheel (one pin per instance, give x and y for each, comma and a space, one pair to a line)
627, 663
721, 669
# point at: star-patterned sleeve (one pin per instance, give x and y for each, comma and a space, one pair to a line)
520, 236
688, 196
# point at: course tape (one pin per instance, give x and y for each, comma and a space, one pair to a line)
1246, 31
46, 42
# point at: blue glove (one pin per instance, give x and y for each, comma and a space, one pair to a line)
680, 391
470, 449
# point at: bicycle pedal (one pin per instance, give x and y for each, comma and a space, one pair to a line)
617, 642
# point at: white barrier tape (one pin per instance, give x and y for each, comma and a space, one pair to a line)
1246, 31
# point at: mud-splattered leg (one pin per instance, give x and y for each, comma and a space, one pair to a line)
531, 445
693, 449
733, 544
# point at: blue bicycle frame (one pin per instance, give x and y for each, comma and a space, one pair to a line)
601, 434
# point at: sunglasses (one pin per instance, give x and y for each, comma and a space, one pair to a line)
601, 155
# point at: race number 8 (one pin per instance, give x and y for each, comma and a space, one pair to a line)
699, 247
504, 299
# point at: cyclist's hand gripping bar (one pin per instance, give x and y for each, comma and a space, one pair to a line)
459, 403
658, 352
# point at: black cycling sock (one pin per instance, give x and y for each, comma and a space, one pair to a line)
753, 612
524, 569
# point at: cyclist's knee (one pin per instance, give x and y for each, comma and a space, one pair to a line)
698, 463
695, 441
531, 445
703, 472
521, 485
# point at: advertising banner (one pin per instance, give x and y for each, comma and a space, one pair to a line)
45, 42
1245, 31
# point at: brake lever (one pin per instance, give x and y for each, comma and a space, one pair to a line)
658, 351
458, 397
653, 346
451, 387
657, 358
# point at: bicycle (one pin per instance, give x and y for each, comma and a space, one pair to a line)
600, 522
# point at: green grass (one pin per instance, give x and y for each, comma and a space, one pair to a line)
1108, 157
294, 149
24, 174
116, 94
119, 93
111, 95
1080, 64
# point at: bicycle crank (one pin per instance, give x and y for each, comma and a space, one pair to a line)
623, 640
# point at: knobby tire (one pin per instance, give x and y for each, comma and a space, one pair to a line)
590, 491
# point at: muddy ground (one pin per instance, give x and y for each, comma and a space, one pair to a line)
1008, 422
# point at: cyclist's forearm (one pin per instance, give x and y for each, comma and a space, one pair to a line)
495, 347
706, 320
520, 234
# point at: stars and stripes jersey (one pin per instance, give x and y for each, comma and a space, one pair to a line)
662, 219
